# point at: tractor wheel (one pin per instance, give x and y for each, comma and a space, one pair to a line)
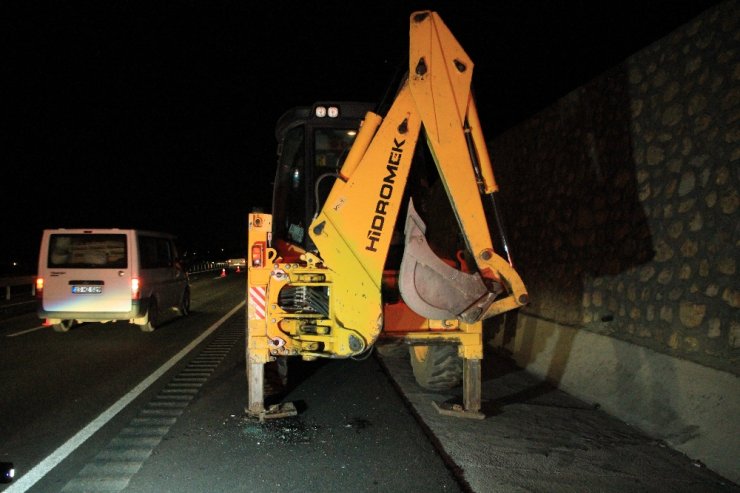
436, 367
391, 348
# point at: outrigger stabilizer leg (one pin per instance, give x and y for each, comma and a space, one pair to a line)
256, 392
471, 404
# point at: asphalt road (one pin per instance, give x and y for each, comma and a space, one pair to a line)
187, 431
362, 425
52, 385
353, 433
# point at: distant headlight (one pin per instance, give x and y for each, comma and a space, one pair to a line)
7, 472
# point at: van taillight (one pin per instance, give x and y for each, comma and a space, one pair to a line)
258, 254
39, 287
135, 289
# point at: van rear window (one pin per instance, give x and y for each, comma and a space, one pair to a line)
87, 251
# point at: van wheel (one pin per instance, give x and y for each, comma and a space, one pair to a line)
185, 303
152, 317
63, 326
437, 367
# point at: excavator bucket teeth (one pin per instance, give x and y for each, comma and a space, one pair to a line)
429, 286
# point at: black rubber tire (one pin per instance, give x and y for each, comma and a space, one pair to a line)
391, 349
184, 307
63, 326
440, 369
152, 318
276, 376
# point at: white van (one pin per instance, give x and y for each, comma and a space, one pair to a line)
106, 275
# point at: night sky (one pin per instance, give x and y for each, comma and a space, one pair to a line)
160, 115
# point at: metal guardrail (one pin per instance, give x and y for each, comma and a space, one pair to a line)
206, 267
8, 283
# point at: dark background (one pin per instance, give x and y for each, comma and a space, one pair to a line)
160, 115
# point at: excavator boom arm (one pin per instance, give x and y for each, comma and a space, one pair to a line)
354, 229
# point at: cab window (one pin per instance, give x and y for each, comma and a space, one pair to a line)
289, 207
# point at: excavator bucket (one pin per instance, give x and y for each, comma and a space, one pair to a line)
429, 286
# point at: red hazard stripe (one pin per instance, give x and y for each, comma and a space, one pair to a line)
257, 300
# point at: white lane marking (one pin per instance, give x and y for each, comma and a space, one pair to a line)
27, 331
42, 468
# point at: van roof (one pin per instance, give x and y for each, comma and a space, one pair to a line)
108, 231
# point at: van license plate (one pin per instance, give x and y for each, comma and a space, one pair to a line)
87, 289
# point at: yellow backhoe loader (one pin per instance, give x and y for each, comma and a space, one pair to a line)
322, 280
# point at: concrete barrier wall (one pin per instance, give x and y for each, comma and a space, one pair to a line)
622, 206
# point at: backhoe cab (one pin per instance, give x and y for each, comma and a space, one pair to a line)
324, 278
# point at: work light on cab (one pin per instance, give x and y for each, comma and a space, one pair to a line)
324, 111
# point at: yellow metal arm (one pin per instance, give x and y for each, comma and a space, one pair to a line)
353, 231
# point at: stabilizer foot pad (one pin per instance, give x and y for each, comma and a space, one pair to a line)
456, 411
275, 411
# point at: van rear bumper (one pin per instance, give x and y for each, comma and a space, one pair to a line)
138, 310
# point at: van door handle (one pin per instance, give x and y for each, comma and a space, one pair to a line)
121, 273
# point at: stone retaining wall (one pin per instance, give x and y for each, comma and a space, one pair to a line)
622, 198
